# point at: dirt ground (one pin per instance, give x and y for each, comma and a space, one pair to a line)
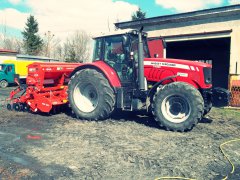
129, 146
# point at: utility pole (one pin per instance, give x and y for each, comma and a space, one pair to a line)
49, 37
4, 33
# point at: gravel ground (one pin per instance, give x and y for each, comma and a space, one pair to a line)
129, 146
4, 92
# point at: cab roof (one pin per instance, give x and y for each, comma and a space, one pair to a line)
115, 33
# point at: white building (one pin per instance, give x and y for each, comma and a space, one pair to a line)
211, 35
7, 55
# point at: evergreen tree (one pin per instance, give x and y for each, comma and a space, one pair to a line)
32, 41
139, 15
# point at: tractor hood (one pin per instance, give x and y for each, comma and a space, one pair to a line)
188, 64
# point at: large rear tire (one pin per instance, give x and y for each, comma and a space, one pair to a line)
178, 106
90, 95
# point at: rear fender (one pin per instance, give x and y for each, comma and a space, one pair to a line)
102, 67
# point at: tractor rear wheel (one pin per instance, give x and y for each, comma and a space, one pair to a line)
90, 95
178, 106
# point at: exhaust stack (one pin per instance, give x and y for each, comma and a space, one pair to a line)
140, 61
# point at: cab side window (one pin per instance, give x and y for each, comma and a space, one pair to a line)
114, 50
98, 50
9, 68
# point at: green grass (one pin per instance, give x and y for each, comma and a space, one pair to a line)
229, 113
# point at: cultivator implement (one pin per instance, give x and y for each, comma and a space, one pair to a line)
45, 89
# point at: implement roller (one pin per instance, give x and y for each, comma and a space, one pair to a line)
45, 89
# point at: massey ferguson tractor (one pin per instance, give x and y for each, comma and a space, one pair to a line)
178, 93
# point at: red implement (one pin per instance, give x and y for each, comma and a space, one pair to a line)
46, 87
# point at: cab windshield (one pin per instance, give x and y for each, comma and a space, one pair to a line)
2, 67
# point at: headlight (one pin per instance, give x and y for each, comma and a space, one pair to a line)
207, 75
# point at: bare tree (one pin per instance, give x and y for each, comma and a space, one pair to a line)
58, 53
10, 42
50, 45
77, 47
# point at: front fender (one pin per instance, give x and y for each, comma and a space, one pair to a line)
175, 78
154, 88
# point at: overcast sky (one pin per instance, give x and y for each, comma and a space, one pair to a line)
63, 17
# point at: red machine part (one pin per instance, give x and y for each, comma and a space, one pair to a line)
46, 86
190, 72
156, 47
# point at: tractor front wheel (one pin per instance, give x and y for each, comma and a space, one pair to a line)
90, 95
177, 106
3, 84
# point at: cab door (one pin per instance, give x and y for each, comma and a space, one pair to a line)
117, 57
10, 71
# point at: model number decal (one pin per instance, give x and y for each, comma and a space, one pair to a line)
165, 64
182, 74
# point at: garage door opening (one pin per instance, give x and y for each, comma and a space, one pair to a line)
214, 51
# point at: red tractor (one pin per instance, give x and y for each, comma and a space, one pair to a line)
123, 76
178, 93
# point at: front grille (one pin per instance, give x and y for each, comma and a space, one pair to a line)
207, 75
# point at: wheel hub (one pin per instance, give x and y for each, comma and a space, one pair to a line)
176, 108
86, 97
92, 95
3, 83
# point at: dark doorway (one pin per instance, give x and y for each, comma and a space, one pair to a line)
215, 51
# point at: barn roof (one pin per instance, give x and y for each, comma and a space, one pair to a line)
182, 17
7, 51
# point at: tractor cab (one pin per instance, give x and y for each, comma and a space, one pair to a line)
121, 53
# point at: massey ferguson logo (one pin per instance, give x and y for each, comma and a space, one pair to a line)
165, 64
168, 64
162, 64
